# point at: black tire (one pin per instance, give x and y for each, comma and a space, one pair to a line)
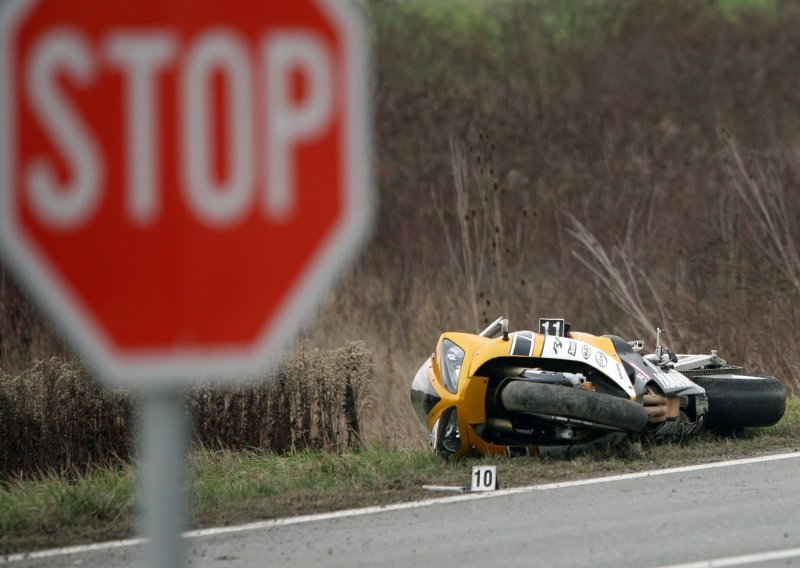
556, 400
738, 402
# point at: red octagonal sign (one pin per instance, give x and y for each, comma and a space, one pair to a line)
180, 181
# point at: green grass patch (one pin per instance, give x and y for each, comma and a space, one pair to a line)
54, 510
565, 22
238, 486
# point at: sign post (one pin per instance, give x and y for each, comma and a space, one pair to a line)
180, 182
162, 431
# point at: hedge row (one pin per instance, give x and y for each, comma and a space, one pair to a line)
54, 415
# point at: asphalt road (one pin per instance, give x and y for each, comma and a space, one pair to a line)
658, 520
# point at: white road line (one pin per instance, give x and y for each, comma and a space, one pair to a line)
408, 505
745, 559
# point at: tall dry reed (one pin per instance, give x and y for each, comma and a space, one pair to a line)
55, 416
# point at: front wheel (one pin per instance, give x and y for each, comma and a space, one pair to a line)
736, 402
558, 401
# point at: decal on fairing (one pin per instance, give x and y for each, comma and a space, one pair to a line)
640, 374
620, 373
522, 344
611, 368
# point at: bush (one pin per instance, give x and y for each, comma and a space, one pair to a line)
312, 401
55, 416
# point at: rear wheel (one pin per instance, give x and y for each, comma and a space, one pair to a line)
599, 409
743, 401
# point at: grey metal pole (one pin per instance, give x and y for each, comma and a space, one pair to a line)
162, 459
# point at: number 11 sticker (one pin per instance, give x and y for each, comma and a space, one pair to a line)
552, 326
484, 478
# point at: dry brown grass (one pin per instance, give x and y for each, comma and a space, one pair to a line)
313, 401
55, 416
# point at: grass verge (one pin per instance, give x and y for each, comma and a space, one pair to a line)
233, 487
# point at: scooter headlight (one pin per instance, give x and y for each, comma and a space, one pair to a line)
452, 357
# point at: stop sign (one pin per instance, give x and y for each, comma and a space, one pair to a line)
180, 181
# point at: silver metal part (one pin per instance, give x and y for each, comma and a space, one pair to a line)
637, 345
567, 379
451, 488
691, 362
495, 327
659, 351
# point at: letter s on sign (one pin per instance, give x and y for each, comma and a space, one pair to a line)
69, 204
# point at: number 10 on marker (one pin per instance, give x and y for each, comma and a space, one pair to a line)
484, 478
